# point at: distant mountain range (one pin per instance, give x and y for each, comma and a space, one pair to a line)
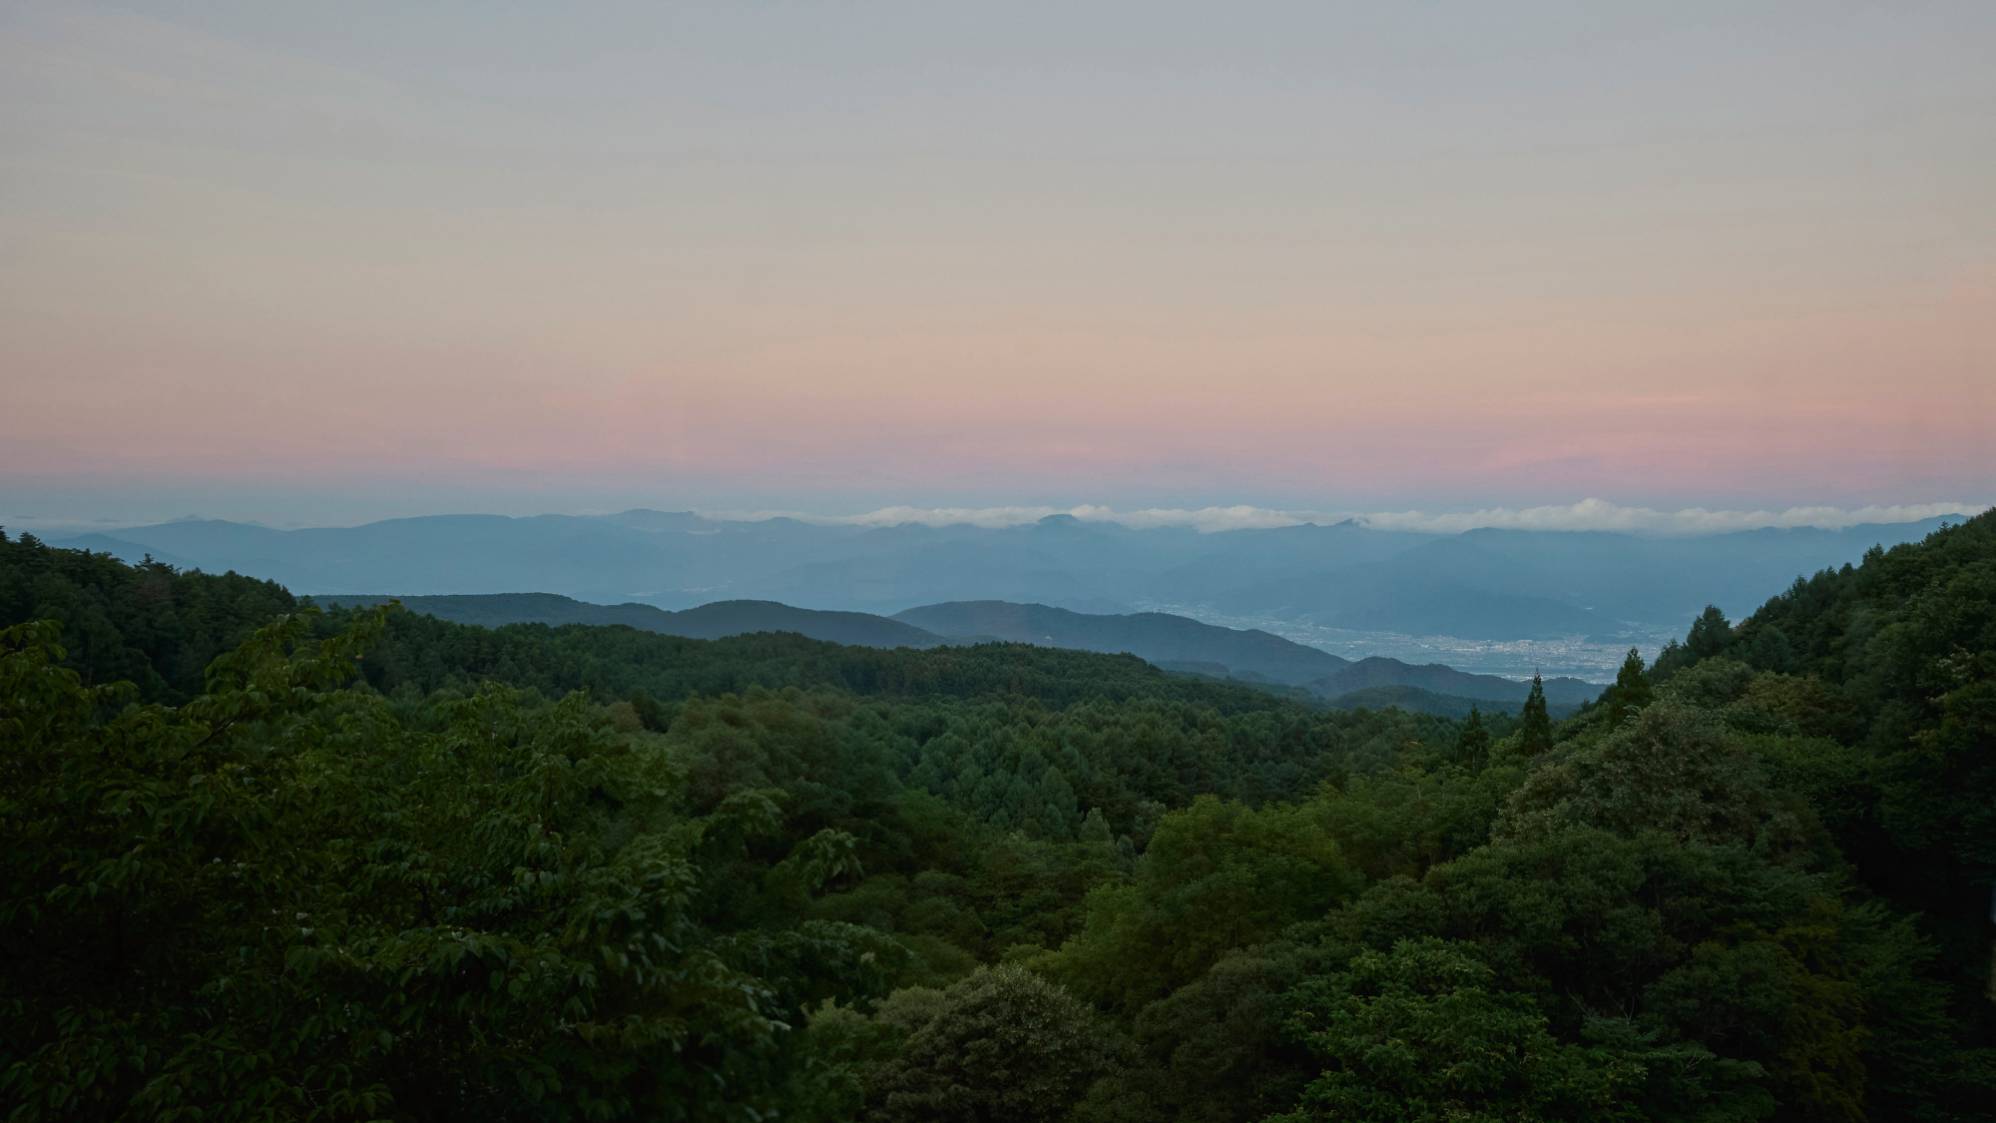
708, 621
1172, 642
1486, 585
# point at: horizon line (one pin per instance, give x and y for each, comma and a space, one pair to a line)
1583, 516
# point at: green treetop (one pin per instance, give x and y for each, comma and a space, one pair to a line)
1631, 691
1534, 723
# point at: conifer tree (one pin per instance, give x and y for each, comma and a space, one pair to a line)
1711, 634
1534, 723
1631, 691
1472, 743
1095, 828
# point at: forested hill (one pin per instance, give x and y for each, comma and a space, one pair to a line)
158, 628
1897, 656
1156, 636
372, 864
708, 621
1171, 642
1376, 673
146, 624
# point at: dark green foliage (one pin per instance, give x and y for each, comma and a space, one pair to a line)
1215, 876
1534, 724
709, 621
1631, 691
1156, 636
1903, 649
1424, 1033
1710, 634
1417, 701
1673, 769
378, 865
1472, 743
283, 899
1375, 674
616, 662
1218, 1048
144, 624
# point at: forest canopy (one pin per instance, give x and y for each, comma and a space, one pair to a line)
269, 862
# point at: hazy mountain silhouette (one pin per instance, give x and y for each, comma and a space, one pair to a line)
1434, 678
1483, 584
1175, 642
708, 621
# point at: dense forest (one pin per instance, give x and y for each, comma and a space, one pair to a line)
265, 861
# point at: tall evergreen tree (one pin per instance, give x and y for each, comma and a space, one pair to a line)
1534, 723
1472, 742
1710, 634
1631, 691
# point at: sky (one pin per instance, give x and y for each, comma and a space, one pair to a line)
322, 263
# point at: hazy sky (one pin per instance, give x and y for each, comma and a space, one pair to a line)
342, 260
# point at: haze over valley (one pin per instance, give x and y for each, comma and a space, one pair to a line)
1495, 600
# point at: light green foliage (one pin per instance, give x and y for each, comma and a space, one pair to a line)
1001, 1046
1422, 1033
1696, 949
1404, 821
1217, 875
1672, 769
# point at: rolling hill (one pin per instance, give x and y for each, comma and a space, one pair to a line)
1436, 679
1174, 643
708, 621
1155, 637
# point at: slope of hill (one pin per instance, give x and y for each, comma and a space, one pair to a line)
1414, 700
708, 621
736, 617
1174, 643
1156, 637
131, 553
1434, 678
1900, 652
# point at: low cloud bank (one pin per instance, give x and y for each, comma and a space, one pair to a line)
1587, 514
1599, 514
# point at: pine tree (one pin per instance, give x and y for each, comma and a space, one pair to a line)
1631, 691
1095, 828
1534, 723
1710, 634
1472, 743
1770, 650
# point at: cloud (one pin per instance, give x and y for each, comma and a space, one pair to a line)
1587, 514
1600, 514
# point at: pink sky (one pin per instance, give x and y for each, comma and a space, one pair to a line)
1433, 259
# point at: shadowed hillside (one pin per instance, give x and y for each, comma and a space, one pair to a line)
708, 621
1154, 636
